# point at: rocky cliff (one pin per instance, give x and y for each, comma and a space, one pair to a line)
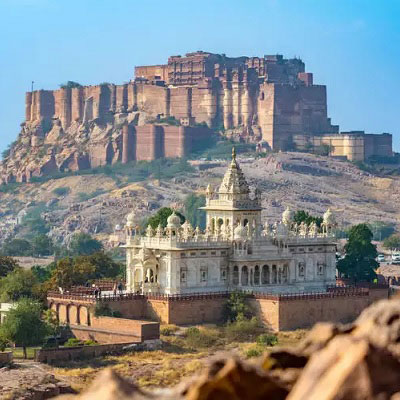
71, 129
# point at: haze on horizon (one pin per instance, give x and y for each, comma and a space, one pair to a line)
352, 47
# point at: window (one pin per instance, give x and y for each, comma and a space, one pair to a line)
193, 254
183, 275
310, 249
320, 268
203, 253
301, 249
223, 252
301, 269
213, 253
203, 276
183, 254
223, 274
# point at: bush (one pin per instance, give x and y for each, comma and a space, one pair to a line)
243, 329
197, 338
267, 339
236, 307
90, 343
61, 191
73, 342
254, 352
168, 330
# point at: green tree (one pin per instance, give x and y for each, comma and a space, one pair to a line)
195, 216
392, 242
359, 263
17, 247
43, 274
17, 284
42, 245
24, 325
303, 216
84, 244
105, 266
7, 264
161, 216
70, 85
236, 307
381, 230
67, 273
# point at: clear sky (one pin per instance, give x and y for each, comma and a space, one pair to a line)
352, 46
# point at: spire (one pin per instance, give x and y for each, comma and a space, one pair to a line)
234, 180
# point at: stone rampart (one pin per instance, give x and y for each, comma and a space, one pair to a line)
277, 311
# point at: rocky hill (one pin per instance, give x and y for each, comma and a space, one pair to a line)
98, 203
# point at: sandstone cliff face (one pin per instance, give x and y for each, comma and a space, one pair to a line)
47, 146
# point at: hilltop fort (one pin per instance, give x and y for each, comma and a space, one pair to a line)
167, 110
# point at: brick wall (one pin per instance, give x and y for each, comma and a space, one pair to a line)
72, 353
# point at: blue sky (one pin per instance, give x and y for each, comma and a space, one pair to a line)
352, 46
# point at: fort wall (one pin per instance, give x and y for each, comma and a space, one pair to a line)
277, 312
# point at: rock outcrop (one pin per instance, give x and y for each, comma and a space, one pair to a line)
360, 361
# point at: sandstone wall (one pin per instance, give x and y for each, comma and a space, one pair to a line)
72, 353
279, 110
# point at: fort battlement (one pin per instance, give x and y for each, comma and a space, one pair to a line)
277, 311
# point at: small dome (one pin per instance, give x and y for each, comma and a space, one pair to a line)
130, 219
240, 232
173, 221
329, 218
287, 216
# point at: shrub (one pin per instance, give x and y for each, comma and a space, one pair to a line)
168, 330
197, 338
243, 329
73, 342
267, 339
236, 308
61, 191
254, 352
90, 343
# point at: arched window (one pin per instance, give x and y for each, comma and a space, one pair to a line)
235, 277
256, 275
262, 96
285, 274
274, 274
265, 278
245, 276
245, 222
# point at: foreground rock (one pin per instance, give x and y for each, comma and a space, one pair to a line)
360, 361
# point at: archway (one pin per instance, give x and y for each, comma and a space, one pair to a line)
235, 277
245, 276
265, 277
274, 274
256, 275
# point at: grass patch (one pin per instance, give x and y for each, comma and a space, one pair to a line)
18, 352
243, 330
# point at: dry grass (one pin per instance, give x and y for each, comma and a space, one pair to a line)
177, 359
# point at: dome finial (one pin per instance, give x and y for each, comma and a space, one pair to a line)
233, 154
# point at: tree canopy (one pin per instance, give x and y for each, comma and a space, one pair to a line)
303, 216
161, 216
17, 247
24, 325
7, 264
84, 244
392, 242
359, 263
79, 270
17, 284
195, 216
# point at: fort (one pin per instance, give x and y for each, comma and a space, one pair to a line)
167, 110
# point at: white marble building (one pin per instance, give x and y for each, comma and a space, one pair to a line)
234, 252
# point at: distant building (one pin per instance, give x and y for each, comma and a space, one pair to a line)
354, 145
